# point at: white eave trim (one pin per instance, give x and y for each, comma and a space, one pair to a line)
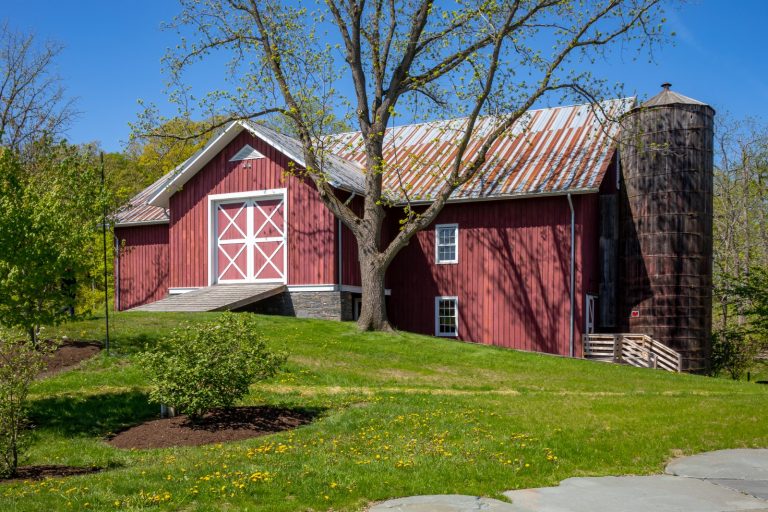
141, 223
507, 197
330, 288
176, 181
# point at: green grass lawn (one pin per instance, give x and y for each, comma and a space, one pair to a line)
404, 415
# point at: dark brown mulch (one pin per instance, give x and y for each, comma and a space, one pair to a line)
219, 426
70, 354
41, 472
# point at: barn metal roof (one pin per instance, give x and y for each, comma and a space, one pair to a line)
342, 173
137, 212
548, 151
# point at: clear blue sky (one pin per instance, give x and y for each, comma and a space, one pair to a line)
113, 50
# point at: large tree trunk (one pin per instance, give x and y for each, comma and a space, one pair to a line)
373, 313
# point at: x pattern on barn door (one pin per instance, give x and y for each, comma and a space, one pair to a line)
251, 240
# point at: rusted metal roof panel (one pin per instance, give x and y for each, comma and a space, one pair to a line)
138, 212
548, 151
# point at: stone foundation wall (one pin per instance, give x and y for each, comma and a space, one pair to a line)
324, 305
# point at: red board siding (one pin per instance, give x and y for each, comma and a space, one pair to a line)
512, 279
142, 269
350, 271
311, 227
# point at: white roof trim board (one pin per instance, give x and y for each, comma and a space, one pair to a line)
246, 153
549, 151
342, 174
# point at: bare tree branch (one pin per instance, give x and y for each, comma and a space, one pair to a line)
32, 97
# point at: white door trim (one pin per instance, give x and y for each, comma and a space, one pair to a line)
214, 199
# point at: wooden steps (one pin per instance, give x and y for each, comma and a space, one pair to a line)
633, 349
220, 297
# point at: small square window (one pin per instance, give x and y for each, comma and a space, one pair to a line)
446, 316
447, 243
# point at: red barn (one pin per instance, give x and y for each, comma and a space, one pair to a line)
513, 260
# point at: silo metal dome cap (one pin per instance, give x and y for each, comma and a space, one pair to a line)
669, 97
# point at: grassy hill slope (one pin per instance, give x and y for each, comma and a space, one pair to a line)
403, 414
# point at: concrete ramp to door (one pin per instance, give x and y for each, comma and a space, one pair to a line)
220, 297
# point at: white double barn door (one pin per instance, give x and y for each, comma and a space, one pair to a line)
250, 240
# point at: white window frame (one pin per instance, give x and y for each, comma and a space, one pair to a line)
437, 316
455, 259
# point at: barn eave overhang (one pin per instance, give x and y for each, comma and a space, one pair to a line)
137, 223
191, 167
506, 197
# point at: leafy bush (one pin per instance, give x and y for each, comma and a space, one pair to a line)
196, 369
20, 363
734, 351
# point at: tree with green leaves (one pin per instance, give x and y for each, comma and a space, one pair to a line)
20, 363
51, 206
379, 60
740, 230
740, 236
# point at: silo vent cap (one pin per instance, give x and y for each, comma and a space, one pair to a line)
668, 97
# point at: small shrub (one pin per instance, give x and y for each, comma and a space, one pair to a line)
734, 351
20, 363
196, 369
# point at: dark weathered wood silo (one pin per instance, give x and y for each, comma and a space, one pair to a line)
666, 224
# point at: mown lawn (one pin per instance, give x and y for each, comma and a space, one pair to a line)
404, 414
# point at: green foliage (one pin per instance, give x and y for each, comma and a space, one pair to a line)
733, 352
50, 207
20, 362
736, 348
753, 293
159, 155
211, 365
740, 230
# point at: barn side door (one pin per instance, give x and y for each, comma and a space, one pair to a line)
250, 239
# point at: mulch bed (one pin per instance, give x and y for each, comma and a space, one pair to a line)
70, 354
52, 471
219, 426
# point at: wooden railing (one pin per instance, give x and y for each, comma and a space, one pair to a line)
634, 349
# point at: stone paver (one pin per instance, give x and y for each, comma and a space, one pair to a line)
721, 481
658, 493
742, 464
744, 470
757, 488
443, 503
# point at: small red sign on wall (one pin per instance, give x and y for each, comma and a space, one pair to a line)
635, 313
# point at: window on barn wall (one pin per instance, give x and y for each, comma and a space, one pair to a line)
447, 243
446, 316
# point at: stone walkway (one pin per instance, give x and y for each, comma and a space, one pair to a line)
722, 481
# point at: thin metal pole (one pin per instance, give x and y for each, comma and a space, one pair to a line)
104, 233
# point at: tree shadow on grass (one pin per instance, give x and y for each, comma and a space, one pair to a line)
95, 415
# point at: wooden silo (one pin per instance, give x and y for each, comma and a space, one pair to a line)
666, 224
